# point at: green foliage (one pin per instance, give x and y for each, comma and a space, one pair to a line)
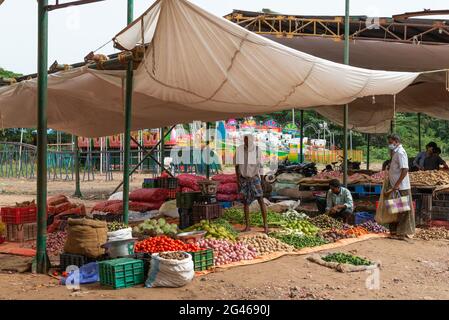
8, 74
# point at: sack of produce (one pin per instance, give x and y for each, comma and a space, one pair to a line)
149, 195
169, 209
186, 189
190, 181
228, 188
116, 196
85, 236
278, 186
227, 197
225, 178
289, 178
121, 234
102, 205
292, 193
145, 206
170, 269
57, 199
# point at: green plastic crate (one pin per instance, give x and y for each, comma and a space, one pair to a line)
185, 200
121, 273
203, 260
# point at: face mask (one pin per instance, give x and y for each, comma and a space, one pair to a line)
391, 146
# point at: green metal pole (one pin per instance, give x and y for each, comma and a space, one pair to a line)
301, 143
162, 146
208, 151
419, 133
346, 107
368, 142
42, 98
128, 116
77, 168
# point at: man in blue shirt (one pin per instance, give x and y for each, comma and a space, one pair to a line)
338, 203
420, 158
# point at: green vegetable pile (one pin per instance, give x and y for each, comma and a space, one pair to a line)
235, 215
298, 241
303, 226
323, 221
153, 227
214, 230
347, 258
114, 226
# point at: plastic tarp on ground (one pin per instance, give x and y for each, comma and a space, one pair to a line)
197, 67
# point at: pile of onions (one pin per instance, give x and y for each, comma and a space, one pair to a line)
226, 252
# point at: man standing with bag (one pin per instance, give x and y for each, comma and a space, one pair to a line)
404, 228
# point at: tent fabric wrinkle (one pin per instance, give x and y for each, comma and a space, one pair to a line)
197, 66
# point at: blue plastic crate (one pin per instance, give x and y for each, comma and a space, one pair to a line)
226, 204
361, 217
364, 190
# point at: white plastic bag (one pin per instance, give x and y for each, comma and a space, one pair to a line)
116, 196
169, 273
122, 234
254, 207
169, 209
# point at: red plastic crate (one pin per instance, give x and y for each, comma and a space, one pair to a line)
19, 215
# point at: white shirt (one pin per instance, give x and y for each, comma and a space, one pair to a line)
399, 161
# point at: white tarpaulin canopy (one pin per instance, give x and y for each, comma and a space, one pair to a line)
196, 67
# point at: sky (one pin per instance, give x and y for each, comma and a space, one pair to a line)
75, 31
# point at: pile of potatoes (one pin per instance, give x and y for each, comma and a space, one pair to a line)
263, 244
429, 178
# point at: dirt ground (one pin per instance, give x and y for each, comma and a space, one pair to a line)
417, 270
17, 190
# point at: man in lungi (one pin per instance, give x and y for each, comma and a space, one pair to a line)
404, 228
249, 169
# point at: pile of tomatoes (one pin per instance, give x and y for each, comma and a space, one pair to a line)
162, 244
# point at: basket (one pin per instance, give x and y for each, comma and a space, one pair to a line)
361, 217
202, 260
109, 217
68, 259
168, 183
19, 215
172, 193
186, 200
21, 232
146, 258
150, 183
121, 273
185, 218
208, 187
202, 199
206, 212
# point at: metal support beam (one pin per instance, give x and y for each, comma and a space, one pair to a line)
144, 158
208, 151
346, 107
162, 150
419, 133
42, 98
301, 143
128, 116
368, 142
68, 4
77, 168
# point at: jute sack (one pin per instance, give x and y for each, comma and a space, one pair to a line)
85, 236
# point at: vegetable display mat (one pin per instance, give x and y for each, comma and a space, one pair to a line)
303, 251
